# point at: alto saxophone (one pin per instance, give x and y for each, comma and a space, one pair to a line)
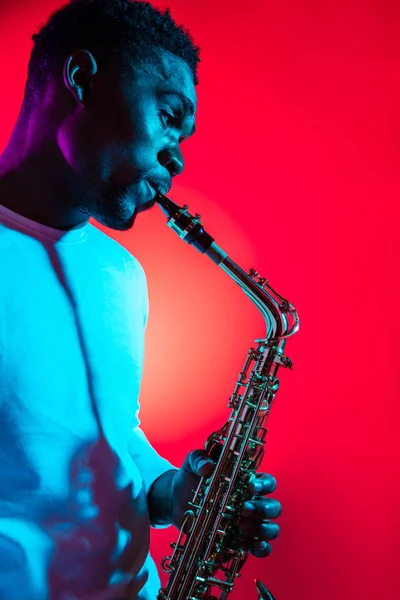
210, 549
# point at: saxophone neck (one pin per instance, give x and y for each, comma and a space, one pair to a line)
280, 316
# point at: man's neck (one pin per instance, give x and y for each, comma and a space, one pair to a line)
39, 187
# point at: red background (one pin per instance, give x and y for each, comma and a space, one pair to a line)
295, 170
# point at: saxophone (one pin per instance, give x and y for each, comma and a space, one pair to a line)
210, 551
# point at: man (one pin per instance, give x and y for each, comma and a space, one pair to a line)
110, 98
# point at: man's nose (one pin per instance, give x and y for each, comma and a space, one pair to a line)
172, 160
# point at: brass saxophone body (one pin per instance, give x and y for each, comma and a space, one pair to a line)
210, 551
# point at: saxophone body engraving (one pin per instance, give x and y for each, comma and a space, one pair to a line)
210, 552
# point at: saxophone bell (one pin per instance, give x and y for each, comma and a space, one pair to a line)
263, 591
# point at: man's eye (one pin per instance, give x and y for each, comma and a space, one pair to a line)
168, 119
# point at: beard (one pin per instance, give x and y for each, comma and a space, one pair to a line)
116, 208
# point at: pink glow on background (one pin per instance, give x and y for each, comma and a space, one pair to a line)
295, 170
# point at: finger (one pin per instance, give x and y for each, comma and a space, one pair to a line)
262, 508
260, 549
262, 484
260, 530
198, 463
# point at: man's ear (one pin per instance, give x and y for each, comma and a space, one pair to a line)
79, 69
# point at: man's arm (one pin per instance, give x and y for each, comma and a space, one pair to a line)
159, 499
157, 474
170, 493
168, 489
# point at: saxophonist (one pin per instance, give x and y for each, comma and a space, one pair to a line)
109, 100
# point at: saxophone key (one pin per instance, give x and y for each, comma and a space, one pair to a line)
166, 564
178, 547
221, 532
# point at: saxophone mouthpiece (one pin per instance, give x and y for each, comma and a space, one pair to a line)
168, 207
188, 227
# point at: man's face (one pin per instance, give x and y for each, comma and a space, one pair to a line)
125, 143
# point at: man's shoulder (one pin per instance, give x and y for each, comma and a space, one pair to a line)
114, 252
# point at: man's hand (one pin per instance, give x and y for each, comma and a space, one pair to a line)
196, 465
256, 512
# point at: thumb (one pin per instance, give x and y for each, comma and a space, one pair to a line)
198, 463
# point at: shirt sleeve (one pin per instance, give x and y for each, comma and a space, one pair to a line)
150, 464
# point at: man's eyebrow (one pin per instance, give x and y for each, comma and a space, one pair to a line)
186, 102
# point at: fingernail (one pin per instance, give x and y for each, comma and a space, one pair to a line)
258, 486
204, 462
248, 508
205, 467
263, 545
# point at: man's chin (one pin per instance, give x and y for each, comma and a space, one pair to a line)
116, 221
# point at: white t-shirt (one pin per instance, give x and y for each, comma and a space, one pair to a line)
75, 468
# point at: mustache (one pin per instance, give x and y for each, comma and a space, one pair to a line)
161, 185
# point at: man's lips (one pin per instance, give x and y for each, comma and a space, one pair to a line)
152, 193
151, 190
160, 186
145, 206
148, 197
150, 202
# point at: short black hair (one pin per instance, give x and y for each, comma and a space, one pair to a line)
111, 29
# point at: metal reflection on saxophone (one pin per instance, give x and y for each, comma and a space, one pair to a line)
210, 550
